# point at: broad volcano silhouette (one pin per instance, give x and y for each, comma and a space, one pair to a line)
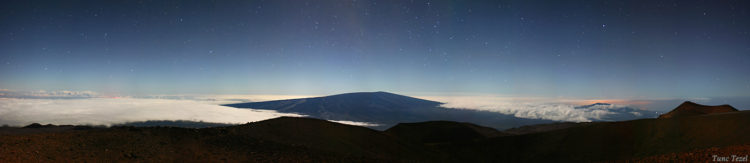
360, 106
386, 109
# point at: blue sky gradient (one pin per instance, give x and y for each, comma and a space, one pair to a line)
570, 49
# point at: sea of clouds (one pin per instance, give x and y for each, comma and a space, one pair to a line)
20, 108
534, 108
109, 111
89, 108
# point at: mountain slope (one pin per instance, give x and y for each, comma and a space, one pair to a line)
692, 109
330, 137
433, 132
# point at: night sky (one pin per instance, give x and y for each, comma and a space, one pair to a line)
573, 49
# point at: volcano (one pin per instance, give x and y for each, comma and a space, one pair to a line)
386, 109
692, 109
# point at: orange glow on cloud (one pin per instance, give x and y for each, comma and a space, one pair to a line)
614, 101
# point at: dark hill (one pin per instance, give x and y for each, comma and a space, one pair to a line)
692, 109
177, 123
330, 137
603, 141
385, 108
433, 132
543, 127
282, 139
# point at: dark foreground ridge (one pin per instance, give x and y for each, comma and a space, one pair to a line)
436, 132
294, 139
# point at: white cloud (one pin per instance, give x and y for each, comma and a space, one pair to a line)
109, 111
103, 111
227, 99
534, 108
557, 112
63, 107
366, 124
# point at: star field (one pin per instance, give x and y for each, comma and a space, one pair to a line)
580, 49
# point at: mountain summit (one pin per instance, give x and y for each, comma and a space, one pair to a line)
593, 105
692, 109
380, 101
359, 106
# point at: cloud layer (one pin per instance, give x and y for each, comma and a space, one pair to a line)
538, 108
226, 99
355, 123
104, 111
85, 107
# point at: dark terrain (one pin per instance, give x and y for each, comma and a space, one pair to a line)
286, 139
